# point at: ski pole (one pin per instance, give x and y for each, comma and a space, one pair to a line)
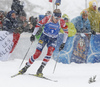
56, 62
25, 55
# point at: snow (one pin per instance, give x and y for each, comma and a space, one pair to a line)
70, 7
68, 75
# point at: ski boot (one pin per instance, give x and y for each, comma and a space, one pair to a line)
24, 69
39, 71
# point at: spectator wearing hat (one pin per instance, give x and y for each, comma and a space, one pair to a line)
10, 23
99, 14
71, 27
17, 6
94, 16
48, 13
53, 25
32, 23
82, 23
22, 22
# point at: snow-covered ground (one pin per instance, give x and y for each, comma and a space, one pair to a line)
68, 75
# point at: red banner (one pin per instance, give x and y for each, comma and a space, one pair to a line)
50, 0
8, 42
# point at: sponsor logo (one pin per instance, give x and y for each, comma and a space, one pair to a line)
40, 41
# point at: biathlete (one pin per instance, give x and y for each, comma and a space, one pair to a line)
53, 25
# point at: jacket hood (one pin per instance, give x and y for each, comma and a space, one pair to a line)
9, 14
91, 5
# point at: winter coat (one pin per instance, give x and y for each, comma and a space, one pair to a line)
94, 17
81, 25
23, 25
17, 7
10, 24
71, 29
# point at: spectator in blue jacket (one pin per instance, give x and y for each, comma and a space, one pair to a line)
82, 23
10, 23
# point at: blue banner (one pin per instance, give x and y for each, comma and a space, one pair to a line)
94, 50
65, 54
79, 49
58, 2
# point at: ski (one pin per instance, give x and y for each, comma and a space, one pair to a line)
35, 76
92, 79
43, 77
16, 75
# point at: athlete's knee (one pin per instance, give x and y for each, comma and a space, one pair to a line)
50, 51
37, 54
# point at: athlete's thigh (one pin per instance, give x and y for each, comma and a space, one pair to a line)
52, 42
42, 42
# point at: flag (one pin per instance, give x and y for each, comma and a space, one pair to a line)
58, 2
8, 42
50, 0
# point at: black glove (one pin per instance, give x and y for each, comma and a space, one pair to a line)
32, 38
61, 46
93, 32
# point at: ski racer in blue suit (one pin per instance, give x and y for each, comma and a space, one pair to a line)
53, 25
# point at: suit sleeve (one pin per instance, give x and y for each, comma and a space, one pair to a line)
64, 27
42, 22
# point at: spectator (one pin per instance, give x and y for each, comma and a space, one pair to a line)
17, 6
22, 22
10, 24
48, 13
94, 16
82, 23
71, 27
32, 22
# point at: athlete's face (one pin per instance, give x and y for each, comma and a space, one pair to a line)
56, 19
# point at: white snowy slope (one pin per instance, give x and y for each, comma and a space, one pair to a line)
68, 75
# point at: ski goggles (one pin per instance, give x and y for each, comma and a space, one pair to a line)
57, 15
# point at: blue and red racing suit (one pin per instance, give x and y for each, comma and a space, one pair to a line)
49, 37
